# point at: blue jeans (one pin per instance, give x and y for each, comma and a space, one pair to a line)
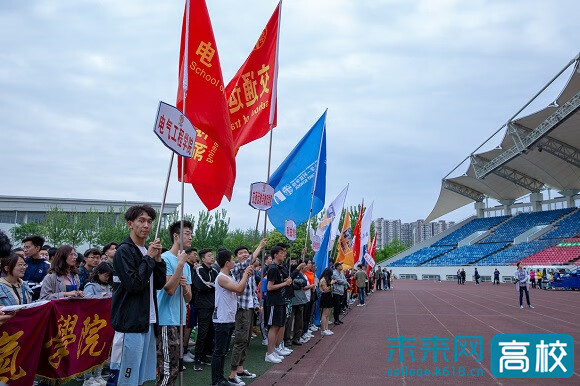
361, 295
223, 334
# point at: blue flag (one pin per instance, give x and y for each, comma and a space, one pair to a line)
321, 257
294, 179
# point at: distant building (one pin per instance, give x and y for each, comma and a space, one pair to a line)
408, 233
16, 210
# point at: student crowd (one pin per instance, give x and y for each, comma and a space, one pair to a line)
160, 295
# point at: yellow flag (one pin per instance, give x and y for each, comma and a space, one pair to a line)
345, 245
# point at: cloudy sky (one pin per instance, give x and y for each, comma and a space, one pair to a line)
411, 87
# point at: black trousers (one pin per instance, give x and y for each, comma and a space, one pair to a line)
523, 289
337, 303
205, 333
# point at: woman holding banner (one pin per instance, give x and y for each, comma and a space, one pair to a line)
62, 279
14, 291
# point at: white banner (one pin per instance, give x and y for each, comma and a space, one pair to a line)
290, 230
175, 130
369, 259
261, 195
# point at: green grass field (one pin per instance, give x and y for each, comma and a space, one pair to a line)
254, 363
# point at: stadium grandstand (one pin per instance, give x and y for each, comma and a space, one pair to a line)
538, 154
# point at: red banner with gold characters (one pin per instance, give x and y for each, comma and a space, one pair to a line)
58, 340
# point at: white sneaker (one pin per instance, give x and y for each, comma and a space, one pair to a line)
281, 357
360, 305
90, 382
282, 352
272, 359
313, 328
265, 342
237, 381
329, 332
303, 340
188, 358
100, 381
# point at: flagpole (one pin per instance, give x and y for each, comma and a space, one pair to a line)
164, 196
184, 88
315, 181
267, 182
273, 106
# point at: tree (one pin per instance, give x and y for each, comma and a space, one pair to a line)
90, 227
219, 228
240, 237
54, 226
390, 250
112, 227
166, 240
21, 231
73, 232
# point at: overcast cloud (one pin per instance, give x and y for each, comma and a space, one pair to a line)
411, 87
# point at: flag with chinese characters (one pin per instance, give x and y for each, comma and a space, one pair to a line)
78, 337
20, 345
356, 248
345, 244
300, 181
365, 234
333, 210
56, 340
251, 93
212, 169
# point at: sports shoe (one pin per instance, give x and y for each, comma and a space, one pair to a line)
272, 359
254, 335
246, 374
236, 381
530, 306
205, 361
522, 307
308, 334
197, 367
303, 340
282, 352
325, 332
313, 328
188, 358
360, 305
100, 381
265, 342
281, 357
90, 382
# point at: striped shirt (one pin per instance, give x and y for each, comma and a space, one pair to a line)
249, 299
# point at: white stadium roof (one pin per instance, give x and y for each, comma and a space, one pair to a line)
538, 151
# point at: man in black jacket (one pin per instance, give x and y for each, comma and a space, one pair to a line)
139, 271
203, 279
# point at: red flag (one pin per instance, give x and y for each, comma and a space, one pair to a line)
251, 93
212, 169
372, 253
356, 236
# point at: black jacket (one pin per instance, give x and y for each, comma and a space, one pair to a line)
204, 294
130, 303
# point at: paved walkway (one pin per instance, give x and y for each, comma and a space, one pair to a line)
357, 353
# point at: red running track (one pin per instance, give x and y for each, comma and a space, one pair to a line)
357, 353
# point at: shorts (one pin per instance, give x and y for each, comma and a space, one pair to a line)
275, 315
134, 356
